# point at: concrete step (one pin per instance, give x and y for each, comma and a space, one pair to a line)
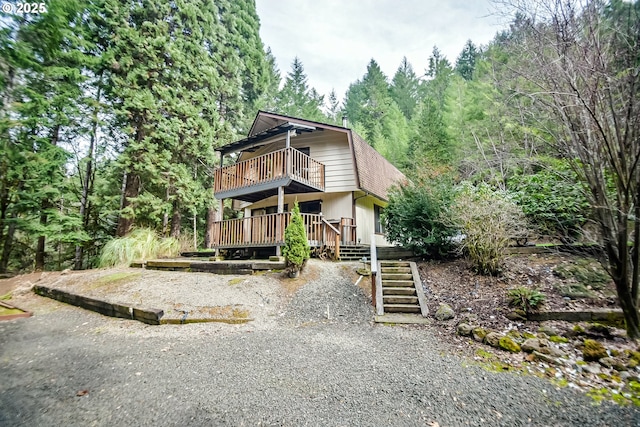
384, 264
404, 270
398, 290
396, 276
397, 283
401, 308
400, 299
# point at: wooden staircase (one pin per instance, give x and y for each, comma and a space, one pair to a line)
399, 290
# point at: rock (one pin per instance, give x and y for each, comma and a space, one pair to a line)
545, 358
516, 336
534, 344
508, 344
592, 368
593, 350
612, 363
514, 315
479, 334
470, 318
444, 312
493, 339
465, 329
548, 330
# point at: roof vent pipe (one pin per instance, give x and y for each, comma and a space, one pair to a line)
344, 120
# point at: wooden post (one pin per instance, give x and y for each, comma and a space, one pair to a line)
220, 216
337, 252
279, 224
374, 270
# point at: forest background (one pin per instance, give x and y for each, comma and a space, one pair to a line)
110, 112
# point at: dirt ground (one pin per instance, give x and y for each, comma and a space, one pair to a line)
569, 282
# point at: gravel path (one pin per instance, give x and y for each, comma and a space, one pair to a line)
66, 366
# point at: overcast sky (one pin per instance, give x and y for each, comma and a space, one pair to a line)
336, 39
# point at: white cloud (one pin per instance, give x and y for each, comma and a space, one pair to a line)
335, 40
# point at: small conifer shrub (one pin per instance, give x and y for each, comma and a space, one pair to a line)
296, 246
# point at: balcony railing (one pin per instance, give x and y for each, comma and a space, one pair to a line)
277, 168
268, 230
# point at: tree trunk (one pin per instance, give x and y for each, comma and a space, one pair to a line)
176, 218
86, 185
40, 248
208, 235
7, 247
131, 190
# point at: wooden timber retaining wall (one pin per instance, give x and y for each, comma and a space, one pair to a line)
148, 316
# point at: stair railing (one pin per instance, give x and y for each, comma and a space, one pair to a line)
336, 238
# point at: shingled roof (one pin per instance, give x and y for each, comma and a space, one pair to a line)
375, 174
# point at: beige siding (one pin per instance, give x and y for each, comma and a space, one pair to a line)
334, 206
365, 220
328, 147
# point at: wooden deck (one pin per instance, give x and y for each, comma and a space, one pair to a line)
268, 230
268, 172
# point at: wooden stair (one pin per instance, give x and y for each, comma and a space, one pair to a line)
399, 289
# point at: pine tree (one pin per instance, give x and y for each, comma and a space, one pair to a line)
297, 99
404, 88
466, 62
42, 114
296, 246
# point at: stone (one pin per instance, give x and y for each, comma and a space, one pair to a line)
544, 358
548, 330
445, 312
508, 344
515, 316
533, 344
470, 318
465, 329
612, 363
479, 334
592, 368
493, 339
593, 350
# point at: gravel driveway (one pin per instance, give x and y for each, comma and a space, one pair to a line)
66, 367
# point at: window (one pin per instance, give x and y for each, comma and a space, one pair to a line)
378, 226
268, 210
304, 150
312, 207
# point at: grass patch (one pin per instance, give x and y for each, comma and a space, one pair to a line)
4, 311
585, 271
6, 296
115, 279
139, 245
235, 281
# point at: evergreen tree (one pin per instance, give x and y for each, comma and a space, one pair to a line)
42, 114
404, 88
334, 112
466, 62
440, 73
297, 99
296, 246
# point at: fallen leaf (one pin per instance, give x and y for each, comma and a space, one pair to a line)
82, 393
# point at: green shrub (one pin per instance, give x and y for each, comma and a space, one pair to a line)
489, 220
414, 217
138, 245
296, 246
552, 199
526, 299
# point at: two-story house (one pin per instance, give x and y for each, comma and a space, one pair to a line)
340, 182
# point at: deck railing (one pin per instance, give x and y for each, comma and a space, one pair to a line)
269, 167
267, 230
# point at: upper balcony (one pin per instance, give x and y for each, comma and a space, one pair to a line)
257, 178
